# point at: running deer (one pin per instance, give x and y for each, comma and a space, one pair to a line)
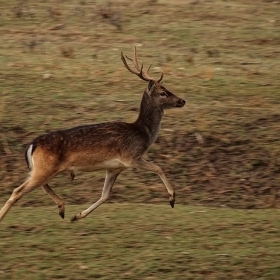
110, 146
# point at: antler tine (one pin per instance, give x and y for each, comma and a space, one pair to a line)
126, 65
140, 71
144, 75
135, 61
161, 77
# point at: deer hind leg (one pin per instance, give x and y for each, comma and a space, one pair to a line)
29, 185
61, 207
111, 176
142, 164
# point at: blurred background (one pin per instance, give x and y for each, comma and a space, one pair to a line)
60, 67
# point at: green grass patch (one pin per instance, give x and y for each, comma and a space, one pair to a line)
134, 241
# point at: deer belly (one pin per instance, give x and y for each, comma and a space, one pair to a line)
105, 165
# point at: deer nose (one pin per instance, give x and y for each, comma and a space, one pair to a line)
181, 102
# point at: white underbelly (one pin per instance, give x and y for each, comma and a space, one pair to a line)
106, 165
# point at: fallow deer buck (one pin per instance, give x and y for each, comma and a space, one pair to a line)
110, 146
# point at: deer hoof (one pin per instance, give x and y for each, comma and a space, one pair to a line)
72, 175
74, 218
61, 210
172, 199
61, 214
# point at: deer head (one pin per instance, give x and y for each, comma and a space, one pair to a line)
155, 92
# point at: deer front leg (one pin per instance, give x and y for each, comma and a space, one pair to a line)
61, 207
149, 166
111, 176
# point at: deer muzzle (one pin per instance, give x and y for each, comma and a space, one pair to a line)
180, 103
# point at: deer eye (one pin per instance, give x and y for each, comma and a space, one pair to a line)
163, 94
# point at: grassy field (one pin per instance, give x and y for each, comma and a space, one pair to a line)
60, 67
139, 241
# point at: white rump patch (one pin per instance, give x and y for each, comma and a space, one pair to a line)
29, 156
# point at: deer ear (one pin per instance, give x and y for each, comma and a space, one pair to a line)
151, 87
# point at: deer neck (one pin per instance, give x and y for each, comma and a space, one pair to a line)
149, 118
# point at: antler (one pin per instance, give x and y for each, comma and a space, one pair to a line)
144, 75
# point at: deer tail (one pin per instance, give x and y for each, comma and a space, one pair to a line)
28, 155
